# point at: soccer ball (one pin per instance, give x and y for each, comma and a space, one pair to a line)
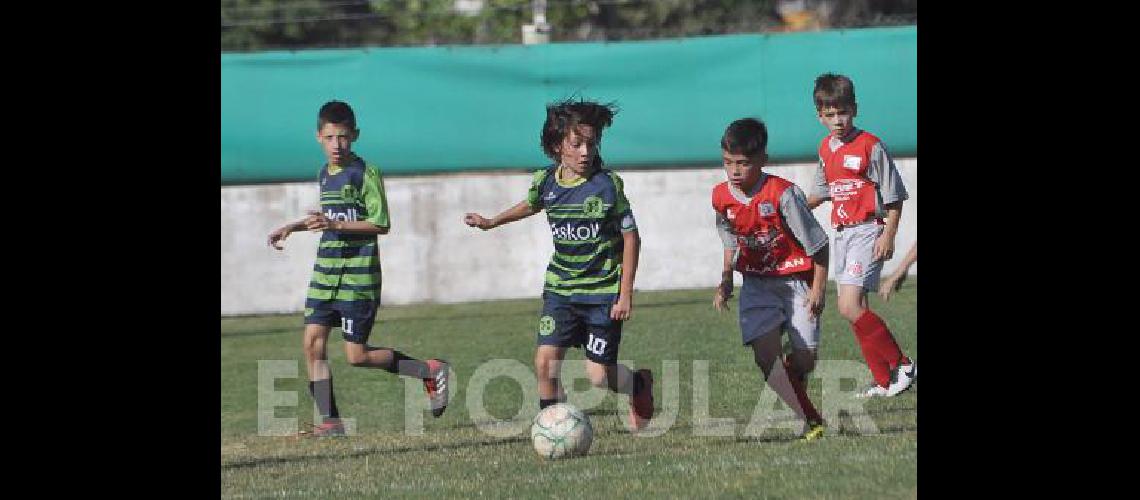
561, 430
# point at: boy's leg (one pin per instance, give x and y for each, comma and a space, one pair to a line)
547, 368
762, 318
803, 332
603, 340
357, 327
857, 272
317, 328
558, 329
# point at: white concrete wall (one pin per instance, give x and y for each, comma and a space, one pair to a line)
431, 256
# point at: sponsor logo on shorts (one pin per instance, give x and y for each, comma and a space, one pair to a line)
545, 325
855, 269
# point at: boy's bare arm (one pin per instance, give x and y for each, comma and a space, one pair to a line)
818, 293
278, 235
517, 212
885, 245
814, 201
623, 308
724, 289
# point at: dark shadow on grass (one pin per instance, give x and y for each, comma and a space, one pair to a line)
258, 462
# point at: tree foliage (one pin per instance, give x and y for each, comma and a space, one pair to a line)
250, 25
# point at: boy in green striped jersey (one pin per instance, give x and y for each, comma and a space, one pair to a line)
345, 288
589, 282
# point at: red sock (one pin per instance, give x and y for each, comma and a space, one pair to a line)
880, 338
880, 369
810, 413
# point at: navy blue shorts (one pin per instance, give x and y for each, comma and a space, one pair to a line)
565, 324
354, 322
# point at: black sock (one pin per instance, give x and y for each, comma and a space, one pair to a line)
637, 384
543, 403
322, 392
407, 366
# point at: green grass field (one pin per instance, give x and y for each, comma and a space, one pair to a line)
455, 458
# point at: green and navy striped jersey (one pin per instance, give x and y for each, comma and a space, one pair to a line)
587, 217
347, 271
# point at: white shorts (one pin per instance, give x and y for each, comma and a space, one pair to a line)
770, 302
852, 256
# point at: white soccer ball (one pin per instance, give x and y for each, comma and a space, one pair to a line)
561, 430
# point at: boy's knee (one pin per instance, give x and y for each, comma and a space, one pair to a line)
850, 311
355, 354
544, 366
314, 347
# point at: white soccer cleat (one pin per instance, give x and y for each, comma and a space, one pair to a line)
904, 378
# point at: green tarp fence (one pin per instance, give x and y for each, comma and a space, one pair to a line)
444, 109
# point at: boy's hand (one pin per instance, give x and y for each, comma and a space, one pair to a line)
723, 293
622, 308
317, 221
891, 285
278, 236
815, 301
884, 247
476, 220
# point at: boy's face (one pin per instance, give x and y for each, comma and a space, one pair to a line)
742, 171
838, 119
578, 149
336, 141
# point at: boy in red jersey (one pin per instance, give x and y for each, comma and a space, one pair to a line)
772, 238
866, 192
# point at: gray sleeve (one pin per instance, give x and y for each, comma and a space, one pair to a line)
883, 173
819, 187
793, 207
724, 230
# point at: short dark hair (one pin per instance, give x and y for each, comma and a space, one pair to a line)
832, 90
746, 136
337, 112
563, 116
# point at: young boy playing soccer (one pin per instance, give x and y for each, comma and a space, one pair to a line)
774, 241
589, 282
345, 289
866, 192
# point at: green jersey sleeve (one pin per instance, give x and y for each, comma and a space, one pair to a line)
621, 209
375, 201
534, 194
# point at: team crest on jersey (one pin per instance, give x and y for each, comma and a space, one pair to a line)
852, 162
730, 214
766, 208
546, 325
348, 193
592, 207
